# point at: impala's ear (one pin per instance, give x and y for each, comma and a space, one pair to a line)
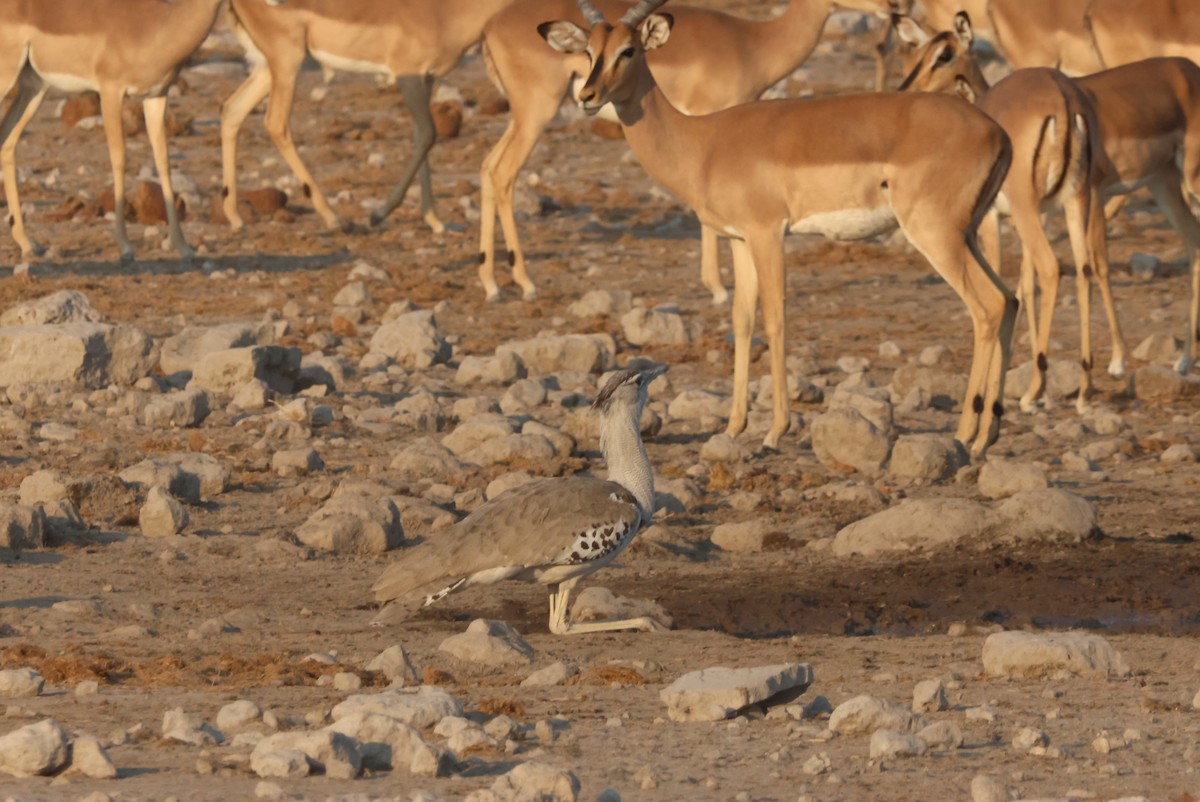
563, 36
909, 30
962, 28
963, 89
656, 30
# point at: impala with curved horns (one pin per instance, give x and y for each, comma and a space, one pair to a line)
412, 42
1053, 129
115, 48
715, 61
1147, 135
848, 167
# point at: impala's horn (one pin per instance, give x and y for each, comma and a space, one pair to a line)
634, 16
590, 13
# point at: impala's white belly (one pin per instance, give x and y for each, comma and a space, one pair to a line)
847, 224
343, 64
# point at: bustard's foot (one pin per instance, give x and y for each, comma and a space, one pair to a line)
643, 624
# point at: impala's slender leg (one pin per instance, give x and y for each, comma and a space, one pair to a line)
1191, 183
1098, 247
710, 265
111, 98
233, 113
745, 304
418, 91
29, 97
1077, 209
993, 311
284, 68
1039, 270
767, 250
530, 114
155, 109
1168, 194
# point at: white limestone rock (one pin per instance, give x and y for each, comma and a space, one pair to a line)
395, 664
717, 693
557, 673
923, 458
929, 696
601, 303
522, 396
663, 326
500, 369
64, 306
1040, 654
534, 780
575, 353
227, 372
207, 473
863, 714
942, 735
162, 515
1001, 478
162, 472
421, 708
33, 750
181, 352
386, 743
297, 461
21, 682
889, 743
90, 759
696, 404
328, 752
846, 438
413, 340
490, 643
1062, 379
471, 434
239, 715
426, 459
280, 762
988, 789
45, 486
181, 410
89, 354
353, 524
743, 536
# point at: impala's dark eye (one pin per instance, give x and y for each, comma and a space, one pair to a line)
945, 56
627, 53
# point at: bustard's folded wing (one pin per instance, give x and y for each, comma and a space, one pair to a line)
533, 525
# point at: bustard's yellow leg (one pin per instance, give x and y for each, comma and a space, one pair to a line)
559, 596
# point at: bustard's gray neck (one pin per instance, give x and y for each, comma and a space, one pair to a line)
628, 463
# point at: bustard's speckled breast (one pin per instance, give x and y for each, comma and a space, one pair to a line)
603, 539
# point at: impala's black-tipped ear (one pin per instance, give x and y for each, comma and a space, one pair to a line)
564, 36
962, 28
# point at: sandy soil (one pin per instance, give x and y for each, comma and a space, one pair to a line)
867, 626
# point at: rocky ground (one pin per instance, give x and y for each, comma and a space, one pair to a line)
206, 464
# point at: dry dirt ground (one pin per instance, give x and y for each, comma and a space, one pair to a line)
595, 220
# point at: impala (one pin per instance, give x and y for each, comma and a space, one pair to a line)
1052, 127
1029, 33
114, 47
412, 42
1147, 135
1125, 31
847, 167
715, 62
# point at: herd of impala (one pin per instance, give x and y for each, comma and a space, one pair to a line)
1105, 99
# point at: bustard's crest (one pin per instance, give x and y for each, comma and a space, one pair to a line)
629, 377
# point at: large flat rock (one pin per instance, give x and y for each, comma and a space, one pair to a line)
89, 354
1040, 654
717, 693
